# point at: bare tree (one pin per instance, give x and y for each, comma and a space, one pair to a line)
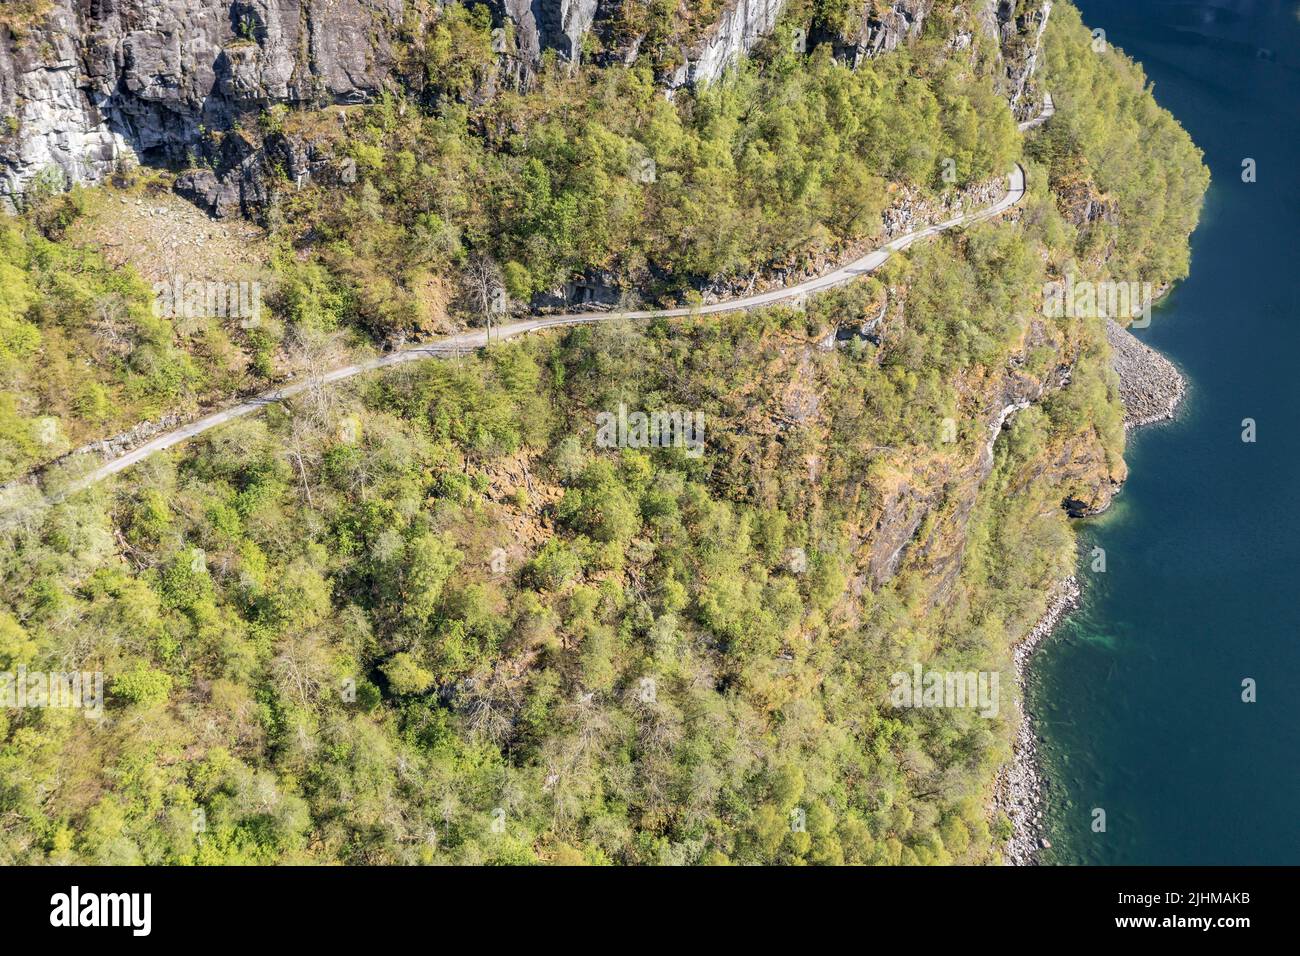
111, 326
312, 353
304, 448
490, 705
487, 290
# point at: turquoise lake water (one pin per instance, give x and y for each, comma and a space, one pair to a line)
1138, 695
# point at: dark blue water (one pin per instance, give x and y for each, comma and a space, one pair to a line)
1139, 695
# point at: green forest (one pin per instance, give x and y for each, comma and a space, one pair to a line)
422, 617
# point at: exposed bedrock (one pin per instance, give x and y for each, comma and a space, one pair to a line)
88, 84
92, 84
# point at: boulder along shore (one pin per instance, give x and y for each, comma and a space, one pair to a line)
1149, 384
1019, 792
1151, 389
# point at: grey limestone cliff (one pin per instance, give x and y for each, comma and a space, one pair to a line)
89, 85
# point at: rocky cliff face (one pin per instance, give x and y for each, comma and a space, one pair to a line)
742, 25
559, 25
88, 84
52, 119
876, 29
1015, 28
694, 52
94, 83
1018, 28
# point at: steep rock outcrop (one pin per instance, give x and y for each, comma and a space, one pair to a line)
94, 84
702, 54
874, 30
922, 517
1018, 28
541, 25
85, 86
54, 124
1015, 27
742, 24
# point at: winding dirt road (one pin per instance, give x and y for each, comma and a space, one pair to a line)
466, 341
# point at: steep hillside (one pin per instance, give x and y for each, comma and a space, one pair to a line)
459, 610
85, 90
464, 184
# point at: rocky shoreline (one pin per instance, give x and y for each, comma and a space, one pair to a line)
1151, 389
1149, 384
1019, 791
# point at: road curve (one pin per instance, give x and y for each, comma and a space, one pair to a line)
1049, 110
467, 341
